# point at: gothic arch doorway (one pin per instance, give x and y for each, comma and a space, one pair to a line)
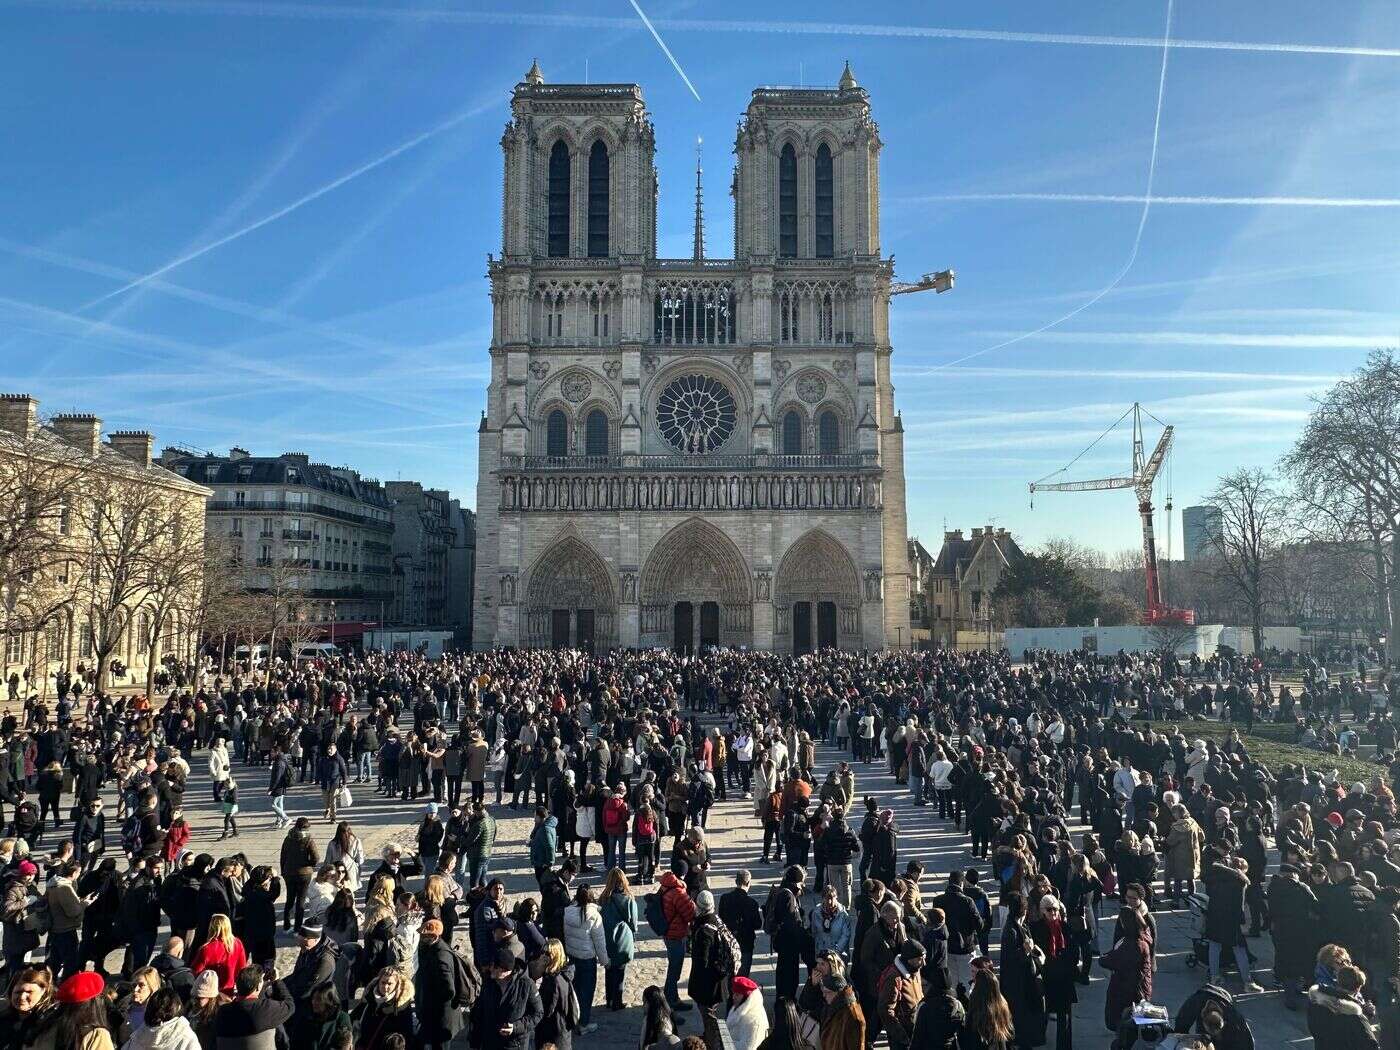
570, 601
817, 596
695, 590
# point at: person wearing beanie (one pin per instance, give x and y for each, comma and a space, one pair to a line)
900, 993
710, 969
315, 963
436, 987
843, 1023
205, 986
508, 1009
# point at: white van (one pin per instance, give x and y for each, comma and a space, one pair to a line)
317, 651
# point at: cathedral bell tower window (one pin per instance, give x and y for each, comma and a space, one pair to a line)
559, 201
824, 204
787, 202
598, 201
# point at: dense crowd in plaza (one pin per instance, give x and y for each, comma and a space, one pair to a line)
1089, 801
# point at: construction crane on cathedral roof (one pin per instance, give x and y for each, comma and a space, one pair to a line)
1144, 473
940, 281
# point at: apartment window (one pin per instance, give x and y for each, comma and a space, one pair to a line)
64, 520
14, 648
239, 498
267, 526
235, 527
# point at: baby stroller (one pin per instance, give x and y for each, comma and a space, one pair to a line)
1199, 903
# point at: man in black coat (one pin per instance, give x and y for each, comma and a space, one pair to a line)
1344, 906
743, 916
435, 989
508, 1008
140, 915
707, 980
173, 970
964, 926
1295, 929
253, 1013
315, 965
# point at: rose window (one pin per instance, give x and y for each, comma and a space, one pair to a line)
696, 414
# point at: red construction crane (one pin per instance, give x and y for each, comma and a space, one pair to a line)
1145, 471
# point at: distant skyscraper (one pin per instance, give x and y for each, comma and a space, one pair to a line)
1200, 526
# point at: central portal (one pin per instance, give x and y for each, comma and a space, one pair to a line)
683, 627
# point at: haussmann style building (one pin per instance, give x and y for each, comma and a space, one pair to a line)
689, 452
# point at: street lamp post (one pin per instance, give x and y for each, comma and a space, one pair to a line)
332, 623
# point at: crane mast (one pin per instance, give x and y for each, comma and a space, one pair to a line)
1145, 470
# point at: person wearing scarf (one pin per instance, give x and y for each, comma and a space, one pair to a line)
1051, 934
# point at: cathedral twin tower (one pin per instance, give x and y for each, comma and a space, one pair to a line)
690, 452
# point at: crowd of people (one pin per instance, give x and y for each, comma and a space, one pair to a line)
1090, 804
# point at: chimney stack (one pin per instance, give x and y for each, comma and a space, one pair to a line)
81, 430
237, 453
135, 445
19, 414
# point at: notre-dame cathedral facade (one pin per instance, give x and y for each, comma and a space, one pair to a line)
690, 452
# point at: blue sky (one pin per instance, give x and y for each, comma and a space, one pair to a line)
315, 186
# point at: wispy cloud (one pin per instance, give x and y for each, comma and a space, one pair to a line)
664, 49
1137, 235
1122, 375
388, 13
1330, 341
1128, 198
456, 119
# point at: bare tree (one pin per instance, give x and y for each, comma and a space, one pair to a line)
40, 484
132, 531
1346, 467
1252, 528
174, 574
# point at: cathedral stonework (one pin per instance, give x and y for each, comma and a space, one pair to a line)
690, 452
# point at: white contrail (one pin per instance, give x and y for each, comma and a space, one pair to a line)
662, 44
1129, 198
1142, 219
321, 191
367, 13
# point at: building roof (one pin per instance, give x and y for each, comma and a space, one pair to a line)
285, 470
46, 442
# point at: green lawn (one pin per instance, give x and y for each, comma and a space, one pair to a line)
1272, 745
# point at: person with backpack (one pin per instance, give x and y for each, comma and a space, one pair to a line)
676, 912
711, 964
619, 930
446, 985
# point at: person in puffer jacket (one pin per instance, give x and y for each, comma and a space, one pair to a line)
585, 946
679, 911
163, 1028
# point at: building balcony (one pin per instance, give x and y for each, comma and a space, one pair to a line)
311, 507
297, 534
376, 547
633, 463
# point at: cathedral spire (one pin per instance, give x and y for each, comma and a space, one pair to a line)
534, 76
699, 251
848, 79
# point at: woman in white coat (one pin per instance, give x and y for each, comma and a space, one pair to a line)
586, 947
747, 1020
219, 768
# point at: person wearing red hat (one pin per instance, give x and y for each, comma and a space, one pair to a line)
747, 1020
83, 1011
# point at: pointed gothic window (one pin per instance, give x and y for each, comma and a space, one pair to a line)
825, 204
787, 202
559, 200
792, 433
557, 434
595, 436
598, 201
828, 434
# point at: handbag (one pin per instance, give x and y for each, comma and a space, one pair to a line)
344, 799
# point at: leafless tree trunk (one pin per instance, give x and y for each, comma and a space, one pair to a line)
1252, 528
